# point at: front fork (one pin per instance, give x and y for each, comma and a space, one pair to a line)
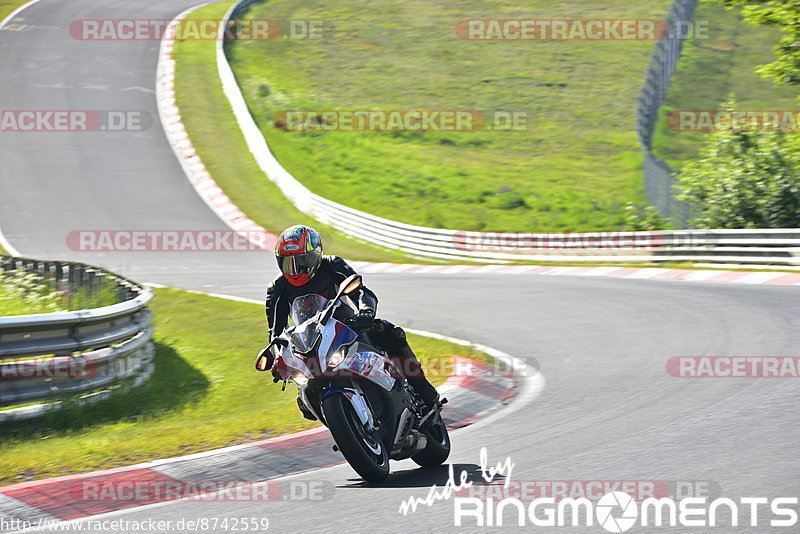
359, 403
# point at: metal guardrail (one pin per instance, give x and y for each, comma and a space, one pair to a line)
63, 354
660, 178
739, 246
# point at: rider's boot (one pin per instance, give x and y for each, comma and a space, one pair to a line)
416, 377
425, 390
395, 342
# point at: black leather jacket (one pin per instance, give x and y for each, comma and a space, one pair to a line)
331, 273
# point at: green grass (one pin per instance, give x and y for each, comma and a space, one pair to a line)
7, 6
573, 169
215, 134
23, 293
715, 69
204, 394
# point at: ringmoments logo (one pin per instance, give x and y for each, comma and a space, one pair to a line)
618, 511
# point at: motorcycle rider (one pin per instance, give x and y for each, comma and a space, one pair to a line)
304, 270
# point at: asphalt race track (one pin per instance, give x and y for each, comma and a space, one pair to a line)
609, 410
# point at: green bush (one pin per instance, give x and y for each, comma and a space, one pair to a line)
745, 178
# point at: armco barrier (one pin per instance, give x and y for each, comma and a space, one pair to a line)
779, 247
76, 353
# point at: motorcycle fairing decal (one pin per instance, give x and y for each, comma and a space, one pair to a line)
369, 365
343, 336
334, 335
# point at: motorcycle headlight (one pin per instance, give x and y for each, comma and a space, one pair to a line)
300, 380
336, 359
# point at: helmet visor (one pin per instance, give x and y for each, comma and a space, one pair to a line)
299, 263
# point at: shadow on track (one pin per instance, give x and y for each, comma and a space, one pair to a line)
422, 478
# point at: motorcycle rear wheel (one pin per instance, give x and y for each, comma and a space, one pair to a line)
365, 453
438, 448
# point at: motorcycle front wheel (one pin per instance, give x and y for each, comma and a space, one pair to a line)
364, 451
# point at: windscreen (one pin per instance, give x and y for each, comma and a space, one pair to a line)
306, 307
303, 309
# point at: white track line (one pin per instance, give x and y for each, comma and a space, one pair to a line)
647, 272
601, 271
3, 240
699, 276
558, 271
16, 12
5, 243
757, 278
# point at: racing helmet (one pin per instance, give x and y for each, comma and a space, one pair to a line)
299, 254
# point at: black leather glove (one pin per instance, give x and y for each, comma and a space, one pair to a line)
363, 319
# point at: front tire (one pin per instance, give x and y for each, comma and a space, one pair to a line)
365, 453
438, 447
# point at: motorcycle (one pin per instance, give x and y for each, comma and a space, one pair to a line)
354, 388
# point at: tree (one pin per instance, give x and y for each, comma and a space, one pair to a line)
745, 178
784, 14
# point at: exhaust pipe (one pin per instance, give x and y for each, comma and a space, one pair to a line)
413, 443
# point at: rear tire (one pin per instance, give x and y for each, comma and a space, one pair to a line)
365, 453
438, 448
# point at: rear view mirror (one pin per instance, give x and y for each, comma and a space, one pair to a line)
352, 283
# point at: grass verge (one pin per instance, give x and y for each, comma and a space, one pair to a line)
8, 6
714, 69
204, 394
23, 293
215, 134
574, 167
